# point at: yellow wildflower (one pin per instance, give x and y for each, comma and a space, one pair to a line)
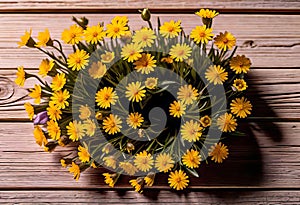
21, 76
29, 109
143, 161
78, 60
36, 93
45, 66
170, 29
191, 159
131, 52
218, 152
75, 170
73, 35
112, 124
135, 91
178, 180
177, 109
97, 70
75, 130
58, 81
44, 38
83, 154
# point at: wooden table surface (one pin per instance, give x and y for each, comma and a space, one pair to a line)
263, 167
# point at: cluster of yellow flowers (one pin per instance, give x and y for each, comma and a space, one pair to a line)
53, 100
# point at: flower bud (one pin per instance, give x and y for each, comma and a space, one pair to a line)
129, 147
145, 14
99, 115
82, 22
41, 118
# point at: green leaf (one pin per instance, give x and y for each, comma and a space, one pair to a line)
192, 172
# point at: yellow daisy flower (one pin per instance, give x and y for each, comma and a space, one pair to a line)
170, 29
110, 161
128, 168
240, 84
117, 27
240, 64
225, 41
144, 37
39, 136
145, 64
180, 52
107, 57
90, 127
177, 109
143, 161
75, 130
59, 98
45, 66
216, 74
53, 130
112, 124
226, 122
44, 38
167, 60
137, 184
106, 97
178, 180
191, 159
205, 121
151, 83
187, 94
21, 76
164, 162
201, 34
54, 112
110, 179
36, 93
29, 109
63, 163
72, 35
135, 91
78, 60
94, 34
241, 107
75, 169
97, 70
207, 13
131, 52
135, 120
84, 112
191, 131
58, 81
149, 179
120, 19
83, 154
218, 152
25, 39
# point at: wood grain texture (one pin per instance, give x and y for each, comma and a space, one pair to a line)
275, 93
269, 40
122, 197
57, 5
266, 158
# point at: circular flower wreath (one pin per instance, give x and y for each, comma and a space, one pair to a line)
138, 102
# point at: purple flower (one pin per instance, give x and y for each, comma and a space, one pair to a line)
41, 118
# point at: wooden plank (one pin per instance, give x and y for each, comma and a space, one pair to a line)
38, 5
273, 92
122, 197
268, 157
267, 39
